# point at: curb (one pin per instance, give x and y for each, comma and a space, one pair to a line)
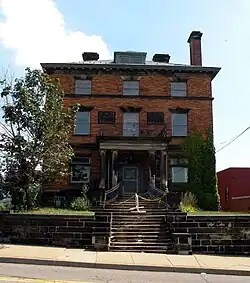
198, 270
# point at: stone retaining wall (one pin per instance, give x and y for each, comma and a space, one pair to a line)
211, 234
54, 230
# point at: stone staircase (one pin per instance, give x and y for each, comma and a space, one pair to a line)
143, 231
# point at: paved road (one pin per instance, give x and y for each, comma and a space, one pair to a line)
17, 273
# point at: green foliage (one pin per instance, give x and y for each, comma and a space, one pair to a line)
80, 204
202, 174
188, 202
5, 206
34, 144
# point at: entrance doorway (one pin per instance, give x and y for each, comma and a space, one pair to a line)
130, 180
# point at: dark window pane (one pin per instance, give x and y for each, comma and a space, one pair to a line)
80, 173
106, 117
155, 117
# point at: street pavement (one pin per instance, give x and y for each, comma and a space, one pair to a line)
225, 265
19, 273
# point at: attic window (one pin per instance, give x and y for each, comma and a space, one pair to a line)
130, 57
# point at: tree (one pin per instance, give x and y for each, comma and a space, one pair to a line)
36, 131
202, 172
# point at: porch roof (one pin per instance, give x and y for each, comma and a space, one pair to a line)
133, 145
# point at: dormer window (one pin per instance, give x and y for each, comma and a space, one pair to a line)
130, 57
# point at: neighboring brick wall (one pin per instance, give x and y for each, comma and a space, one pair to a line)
220, 234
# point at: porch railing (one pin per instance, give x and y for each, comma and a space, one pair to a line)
109, 193
156, 194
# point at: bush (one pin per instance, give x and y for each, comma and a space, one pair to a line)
80, 204
5, 204
188, 202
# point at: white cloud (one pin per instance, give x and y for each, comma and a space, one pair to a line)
35, 30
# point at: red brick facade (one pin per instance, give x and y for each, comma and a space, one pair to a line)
154, 96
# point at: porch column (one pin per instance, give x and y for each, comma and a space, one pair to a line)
103, 169
152, 165
163, 169
113, 167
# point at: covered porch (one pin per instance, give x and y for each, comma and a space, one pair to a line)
131, 166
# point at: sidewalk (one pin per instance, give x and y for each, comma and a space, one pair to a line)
126, 261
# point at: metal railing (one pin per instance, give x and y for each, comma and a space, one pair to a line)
128, 129
156, 194
108, 200
110, 230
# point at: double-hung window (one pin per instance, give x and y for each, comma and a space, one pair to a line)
83, 87
179, 170
130, 87
82, 123
178, 89
179, 124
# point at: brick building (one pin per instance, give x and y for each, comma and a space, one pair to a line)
234, 189
134, 115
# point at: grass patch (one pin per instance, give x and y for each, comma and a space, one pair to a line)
57, 211
228, 213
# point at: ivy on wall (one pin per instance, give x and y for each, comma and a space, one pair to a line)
202, 181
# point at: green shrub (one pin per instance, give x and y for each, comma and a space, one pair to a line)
80, 204
188, 202
200, 152
5, 206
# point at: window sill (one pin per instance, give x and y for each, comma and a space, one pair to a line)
79, 182
81, 135
156, 124
179, 137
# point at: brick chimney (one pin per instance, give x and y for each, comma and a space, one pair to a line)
194, 41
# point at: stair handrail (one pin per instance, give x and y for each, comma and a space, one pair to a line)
108, 192
110, 229
159, 199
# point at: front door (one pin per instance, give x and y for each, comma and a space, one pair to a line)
131, 124
130, 176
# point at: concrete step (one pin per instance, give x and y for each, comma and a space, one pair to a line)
141, 243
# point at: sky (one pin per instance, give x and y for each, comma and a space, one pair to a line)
34, 31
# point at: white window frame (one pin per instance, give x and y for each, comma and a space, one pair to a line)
131, 90
87, 167
79, 122
185, 133
179, 169
84, 89
179, 89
